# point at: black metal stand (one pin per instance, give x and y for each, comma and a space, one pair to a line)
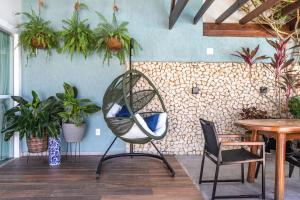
76, 154
132, 154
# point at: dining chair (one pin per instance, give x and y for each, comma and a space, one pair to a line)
291, 156
214, 150
294, 160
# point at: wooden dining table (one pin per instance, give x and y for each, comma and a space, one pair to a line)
281, 130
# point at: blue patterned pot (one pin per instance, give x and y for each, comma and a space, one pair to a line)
54, 156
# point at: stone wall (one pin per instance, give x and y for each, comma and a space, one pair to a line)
225, 88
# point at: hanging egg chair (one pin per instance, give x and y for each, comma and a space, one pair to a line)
135, 112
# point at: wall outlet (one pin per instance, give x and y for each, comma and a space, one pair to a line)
98, 131
210, 51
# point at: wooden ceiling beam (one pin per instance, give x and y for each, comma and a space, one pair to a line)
259, 10
234, 7
290, 8
202, 10
176, 11
292, 23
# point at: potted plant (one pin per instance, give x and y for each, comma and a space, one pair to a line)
113, 39
294, 106
77, 36
75, 111
35, 120
36, 34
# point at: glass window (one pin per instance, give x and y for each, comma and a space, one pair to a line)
6, 52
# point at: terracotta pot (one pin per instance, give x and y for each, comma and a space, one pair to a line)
37, 145
73, 133
36, 44
114, 44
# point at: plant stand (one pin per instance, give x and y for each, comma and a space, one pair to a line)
74, 155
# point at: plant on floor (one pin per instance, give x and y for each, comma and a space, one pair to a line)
77, 36
249, 57
294, 106
36, 34
113, 39
74, 113
253, 113
289, 83
35, 120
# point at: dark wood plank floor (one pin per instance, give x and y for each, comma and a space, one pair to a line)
122, 179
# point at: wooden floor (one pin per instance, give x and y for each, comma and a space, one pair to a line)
121, 179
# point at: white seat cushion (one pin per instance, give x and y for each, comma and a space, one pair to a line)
136, 133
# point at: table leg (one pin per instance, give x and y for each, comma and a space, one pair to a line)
280, 166
252, 165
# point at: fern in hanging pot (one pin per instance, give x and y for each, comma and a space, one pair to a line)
37, 33
113, 39
76, 35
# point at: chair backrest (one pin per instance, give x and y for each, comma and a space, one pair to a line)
210, 137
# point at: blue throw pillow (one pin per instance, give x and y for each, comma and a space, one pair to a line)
151, 121
123, 112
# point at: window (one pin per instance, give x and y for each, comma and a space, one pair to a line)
6, 57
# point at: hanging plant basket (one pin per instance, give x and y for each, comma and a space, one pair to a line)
37, 145
35, 43
114, 44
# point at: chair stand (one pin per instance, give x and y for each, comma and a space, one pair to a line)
133, 154
216, 180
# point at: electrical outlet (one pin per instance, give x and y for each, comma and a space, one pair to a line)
210, 51
98, 132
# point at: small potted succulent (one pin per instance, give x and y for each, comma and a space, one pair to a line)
76, 35
113, 39
75, 111
37, 33
36, 120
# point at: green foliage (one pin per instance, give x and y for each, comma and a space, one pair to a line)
33, 119
37, 34
77, 36
75, 109
294, 106
105, 31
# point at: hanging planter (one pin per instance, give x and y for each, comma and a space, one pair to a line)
37, 33
113, 39
114, 44
76, 35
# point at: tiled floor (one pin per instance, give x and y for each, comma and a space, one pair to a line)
192, 166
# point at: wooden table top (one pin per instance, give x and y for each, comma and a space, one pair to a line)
276, 125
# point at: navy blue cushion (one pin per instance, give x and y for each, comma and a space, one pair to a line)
151, 121
123, 112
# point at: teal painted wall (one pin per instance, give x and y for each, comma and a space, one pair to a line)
148, 24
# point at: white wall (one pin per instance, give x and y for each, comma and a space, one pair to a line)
8, 9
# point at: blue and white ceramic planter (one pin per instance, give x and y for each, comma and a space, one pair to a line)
54, 147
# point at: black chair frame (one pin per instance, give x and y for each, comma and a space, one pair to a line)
132, 154
217, 159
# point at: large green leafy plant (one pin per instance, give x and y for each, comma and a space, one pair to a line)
113, 39
33, 119
294, 106
77, 36
75, 109
37, 33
